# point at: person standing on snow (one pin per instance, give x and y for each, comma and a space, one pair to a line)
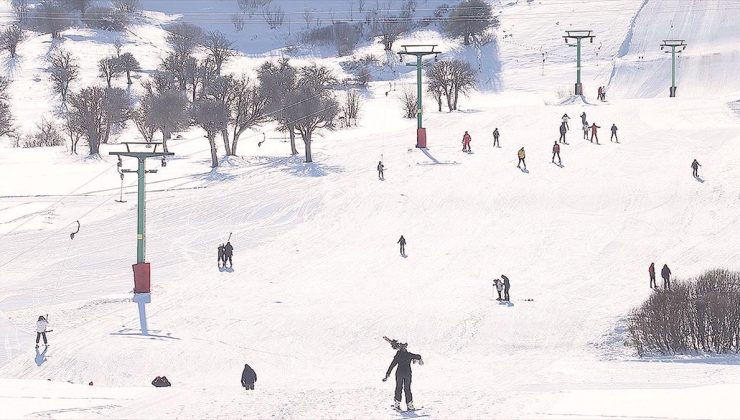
651, 271
583, 119
666, 274
594, 133
695, 166
521, 156
614, 133
466, 142
563, 130
402, 243
380, 170
598, 93
249, 377
220, 255
507, 286
41, 325
556, 152
495, 137
228, 253
499, 285
566, 118
585, 130
402, 361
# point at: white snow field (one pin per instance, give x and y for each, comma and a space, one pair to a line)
317, 277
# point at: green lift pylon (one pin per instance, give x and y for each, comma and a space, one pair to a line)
676, 46
578, 36
142, 293
419, 51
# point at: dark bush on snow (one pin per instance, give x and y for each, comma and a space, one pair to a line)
105, 18
699, 315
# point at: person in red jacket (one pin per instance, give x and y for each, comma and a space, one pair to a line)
466, 142
651, 271
594, 133
556, 152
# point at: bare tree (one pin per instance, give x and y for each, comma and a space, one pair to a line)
408, 102
80, 5
389, 28
129, 64
451, 78
6, 117
316, 109
118, 45
221, 91
238, 20
198, 75
10, 37
20, 10
219, 48
317, 75
308, 17
117, 107
470, 19
250, 6
278, 84
126, 6
351, 106
109, 68
183, 38
143, 118
247, 109
63, 71
169, 112
211, 116
346, 37
274, 17
87, 110
51, 17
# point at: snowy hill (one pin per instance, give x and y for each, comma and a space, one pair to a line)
317, 279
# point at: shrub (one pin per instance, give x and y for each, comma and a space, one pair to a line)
46, 135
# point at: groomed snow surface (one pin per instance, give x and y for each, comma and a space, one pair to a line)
317, 277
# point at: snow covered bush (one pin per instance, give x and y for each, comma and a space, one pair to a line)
344, 36
700, 315
105, 18
46, 135
63, 70
408, 102
6, 117
10, 37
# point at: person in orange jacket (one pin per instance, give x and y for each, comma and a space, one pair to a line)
594, 133
466, 142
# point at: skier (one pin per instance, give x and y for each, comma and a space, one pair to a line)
566, 118
495, 137
220, 255
380, 170
583, 118
507, 286
556, 152
695, 166
666, 274
603, 94
521, 156
41, 326
499, 285
403, 360
466, 142
563, 130
249, 377
651, 271
598, 94
585, 130
228, 252
614, 133
594, 133
402, 243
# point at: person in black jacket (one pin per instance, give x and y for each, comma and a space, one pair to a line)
228, 252
666, 274
220, 254
380, 170
506, 287
402, 243
402, 362
249, 377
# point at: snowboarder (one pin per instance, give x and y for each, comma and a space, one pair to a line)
507, 286
41, 326
695, 166
563, 130
651, 271
495, 137
556, 152
585, 130
402, 243
583, 118
614, 133
380, 170
228, 253
594, 133
521, 156
499, 285
566, 118
402, 361
466, 142
220, 255
249, 377
666, 274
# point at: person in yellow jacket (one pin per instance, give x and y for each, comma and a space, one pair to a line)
521, 159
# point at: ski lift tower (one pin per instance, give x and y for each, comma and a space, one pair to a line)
578, 36
419, 51
142, 152
676, 46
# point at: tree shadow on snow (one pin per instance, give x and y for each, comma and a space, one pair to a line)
214, 176
714, 359
136, 333
296, 166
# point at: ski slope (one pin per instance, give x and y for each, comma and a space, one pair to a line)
318, 280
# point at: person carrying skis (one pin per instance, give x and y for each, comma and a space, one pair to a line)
563, 130
594, 133
380, 170
583, 119
614, 133
249, 377
666, 274
402, 243
566, 118
41, 325
402, 362
521, 156
556, 152
507, 286
651, 271
221, 255
499, 285
495, 137
695, 166
466, 142
585, 130
228, 253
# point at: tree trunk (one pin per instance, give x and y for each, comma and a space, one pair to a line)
94, 146
293, 150
235, 141
128, 78
307, 142
448, 97
214, 157
108, 79
106, 134
467, 39
166, 135
227, 146
454, 103
439, 102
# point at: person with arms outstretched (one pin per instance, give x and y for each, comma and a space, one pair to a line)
594, 133
695, 166
402, 362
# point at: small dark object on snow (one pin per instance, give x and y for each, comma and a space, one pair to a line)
249, 377
161, 382
91, 383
